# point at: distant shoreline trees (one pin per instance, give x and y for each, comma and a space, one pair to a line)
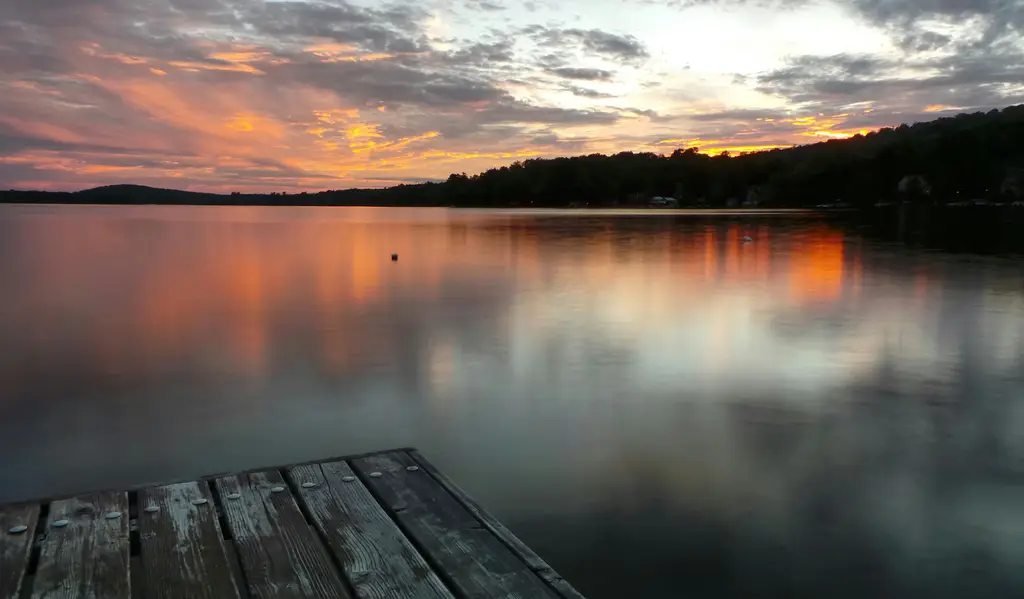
968, 157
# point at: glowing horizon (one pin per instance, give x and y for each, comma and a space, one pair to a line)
297, 95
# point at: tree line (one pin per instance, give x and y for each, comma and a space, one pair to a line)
969, 157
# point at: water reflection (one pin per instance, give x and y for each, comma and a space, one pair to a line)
659, 408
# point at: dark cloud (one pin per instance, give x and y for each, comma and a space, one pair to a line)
392, 29
908, 21
546, 139
978, 78
625, 49
923, 41
582, 74
553, 140
484, 5
902, 11
583, 92
552, 61
685, 4
483, 53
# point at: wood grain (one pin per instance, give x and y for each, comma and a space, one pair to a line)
534, 561
15, 549
88, 558
470, 557
281, 555
182, 551
376, 557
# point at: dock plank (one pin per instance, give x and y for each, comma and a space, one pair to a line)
281, 555
534, 561
182, 551
88, 557
376, 557
16, 548
470, 557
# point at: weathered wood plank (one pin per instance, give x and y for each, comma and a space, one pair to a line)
534, 561
281, 555
85, 555
376, 557
468, 555
182, 551
16, 547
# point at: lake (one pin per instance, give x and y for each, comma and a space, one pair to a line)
656, 406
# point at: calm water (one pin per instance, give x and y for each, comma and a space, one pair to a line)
657, 408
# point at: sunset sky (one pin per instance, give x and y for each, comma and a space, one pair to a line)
263, 95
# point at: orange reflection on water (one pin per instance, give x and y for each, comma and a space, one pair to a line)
710, 255
148, 292
816, 266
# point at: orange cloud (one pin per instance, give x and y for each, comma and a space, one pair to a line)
335, 52
195, 67
220, 131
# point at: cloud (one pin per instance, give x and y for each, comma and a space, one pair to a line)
889, 11
296, 94
906, 19
483, 5
584, 92
947, 52
625, 49
320, 94
394, 29
583, 74
980, 79
688, 4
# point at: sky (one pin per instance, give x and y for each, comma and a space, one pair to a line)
292, 95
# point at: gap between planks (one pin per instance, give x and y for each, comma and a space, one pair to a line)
286, 474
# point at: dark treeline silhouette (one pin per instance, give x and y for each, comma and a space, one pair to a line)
969, 158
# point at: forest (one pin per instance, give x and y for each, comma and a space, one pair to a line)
975, 157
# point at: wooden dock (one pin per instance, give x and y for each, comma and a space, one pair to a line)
378, 526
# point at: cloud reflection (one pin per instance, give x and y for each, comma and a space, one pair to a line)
779, 415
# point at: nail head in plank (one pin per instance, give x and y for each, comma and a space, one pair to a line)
15, 548
469, 556
182, 550
89, 556
281, 555
377, 558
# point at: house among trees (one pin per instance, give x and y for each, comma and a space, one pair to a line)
663, 202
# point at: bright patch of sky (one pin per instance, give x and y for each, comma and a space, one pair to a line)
695, 52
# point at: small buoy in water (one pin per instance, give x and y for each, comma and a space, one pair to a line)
394, 257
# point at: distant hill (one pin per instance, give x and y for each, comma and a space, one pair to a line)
958, 159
